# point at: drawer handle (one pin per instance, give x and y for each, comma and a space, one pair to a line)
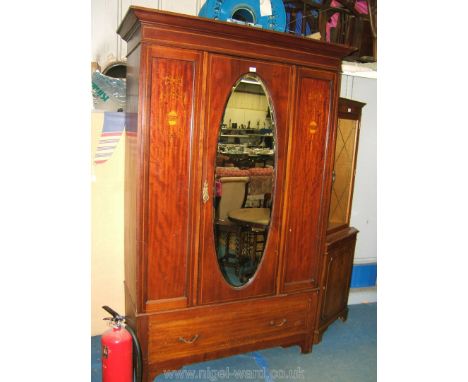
189, 341
279, 323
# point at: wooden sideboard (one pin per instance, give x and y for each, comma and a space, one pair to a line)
341, 238
337, 270
181, 70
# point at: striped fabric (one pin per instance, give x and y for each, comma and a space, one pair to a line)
112, 129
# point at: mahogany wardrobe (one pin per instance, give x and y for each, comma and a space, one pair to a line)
180, 295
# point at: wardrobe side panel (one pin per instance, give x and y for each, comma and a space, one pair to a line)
131, 186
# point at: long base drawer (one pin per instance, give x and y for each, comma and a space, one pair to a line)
198, 330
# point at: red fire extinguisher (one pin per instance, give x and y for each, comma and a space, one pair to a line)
117, 354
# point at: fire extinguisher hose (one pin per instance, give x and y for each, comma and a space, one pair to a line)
137, 354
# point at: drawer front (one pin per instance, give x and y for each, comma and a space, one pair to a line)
200, 330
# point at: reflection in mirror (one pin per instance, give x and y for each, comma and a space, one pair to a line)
244, 180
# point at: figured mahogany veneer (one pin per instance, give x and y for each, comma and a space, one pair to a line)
304, 229
180, 72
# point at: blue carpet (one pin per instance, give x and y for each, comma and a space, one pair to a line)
96, 359
347, 353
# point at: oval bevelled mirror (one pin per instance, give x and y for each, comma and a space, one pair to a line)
244, 180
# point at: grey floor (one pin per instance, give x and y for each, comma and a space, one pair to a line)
347, 353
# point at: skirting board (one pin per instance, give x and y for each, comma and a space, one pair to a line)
362, 295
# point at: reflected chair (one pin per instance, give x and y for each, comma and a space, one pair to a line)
233, 196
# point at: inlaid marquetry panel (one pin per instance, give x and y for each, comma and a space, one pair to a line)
306, 167
170, 211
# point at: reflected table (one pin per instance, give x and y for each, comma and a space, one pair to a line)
255, 222
255, 217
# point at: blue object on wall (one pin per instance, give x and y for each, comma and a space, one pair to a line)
364, 275
247, 11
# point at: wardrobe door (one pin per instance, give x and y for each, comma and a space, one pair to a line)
223, 74
171, 151
308, 179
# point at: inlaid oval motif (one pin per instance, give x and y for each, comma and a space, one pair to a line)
244, 180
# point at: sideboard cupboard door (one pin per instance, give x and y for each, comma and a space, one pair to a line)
338, 268
308, 175
223, 73
173, 87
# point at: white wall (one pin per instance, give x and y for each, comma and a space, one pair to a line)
364, 212
106, 15
107, 225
